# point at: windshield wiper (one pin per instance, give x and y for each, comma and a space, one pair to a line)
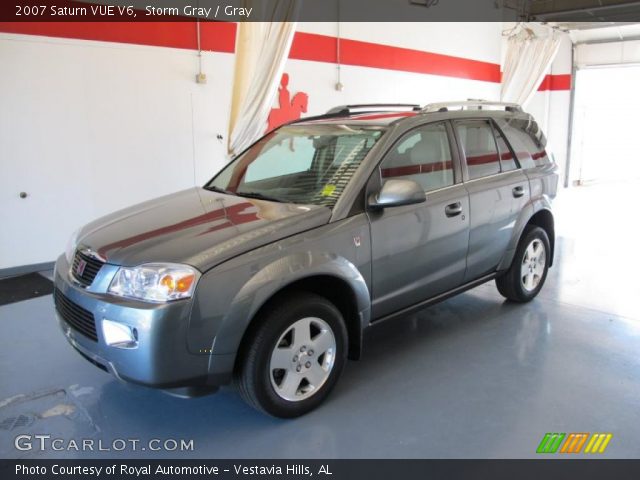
213, 188
260, 196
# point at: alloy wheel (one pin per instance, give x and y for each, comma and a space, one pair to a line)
533, 265
302, 359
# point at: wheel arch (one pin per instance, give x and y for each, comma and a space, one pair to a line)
544, 219
328, 275
535, 213
335, 289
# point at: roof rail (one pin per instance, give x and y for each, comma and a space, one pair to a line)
471, 104
347, 109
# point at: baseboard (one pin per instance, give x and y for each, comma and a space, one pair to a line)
22, 269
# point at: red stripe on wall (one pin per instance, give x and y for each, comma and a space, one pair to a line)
556, 82
215, 36
322, 48
221, 37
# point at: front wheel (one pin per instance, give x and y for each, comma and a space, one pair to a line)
293, 357
528, 271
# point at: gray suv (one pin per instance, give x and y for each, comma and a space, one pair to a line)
269, 274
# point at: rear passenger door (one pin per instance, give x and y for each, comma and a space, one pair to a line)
498, 189
419, 251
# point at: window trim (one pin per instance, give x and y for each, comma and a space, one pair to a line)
492, 176
498, 131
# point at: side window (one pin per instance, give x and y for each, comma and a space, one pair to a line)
422, 155
527, 140
479, 147
507, 159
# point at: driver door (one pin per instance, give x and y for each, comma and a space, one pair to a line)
419, 251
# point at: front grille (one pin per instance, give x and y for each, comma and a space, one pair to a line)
85, 268
77, 317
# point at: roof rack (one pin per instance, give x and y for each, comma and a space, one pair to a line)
471, 104
347, 109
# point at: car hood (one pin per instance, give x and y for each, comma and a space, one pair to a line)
196, 227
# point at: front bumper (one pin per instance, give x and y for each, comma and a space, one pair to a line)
161, 358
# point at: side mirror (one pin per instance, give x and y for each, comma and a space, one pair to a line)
395, 193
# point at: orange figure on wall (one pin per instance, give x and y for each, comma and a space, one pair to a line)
289, 109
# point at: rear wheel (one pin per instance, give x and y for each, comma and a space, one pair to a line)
528, 271
293, 357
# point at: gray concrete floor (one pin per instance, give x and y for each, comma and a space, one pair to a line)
471, 377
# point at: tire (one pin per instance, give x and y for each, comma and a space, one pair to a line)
293, 356
528, 270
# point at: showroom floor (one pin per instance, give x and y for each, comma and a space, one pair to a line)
471, 377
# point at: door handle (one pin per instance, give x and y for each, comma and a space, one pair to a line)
453, 209
518, 191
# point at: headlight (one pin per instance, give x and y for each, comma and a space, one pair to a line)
155, 282
72, 243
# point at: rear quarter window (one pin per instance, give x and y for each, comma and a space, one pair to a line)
527, 141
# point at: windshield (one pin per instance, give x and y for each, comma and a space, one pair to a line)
299, 164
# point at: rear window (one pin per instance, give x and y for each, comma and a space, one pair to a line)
527, 141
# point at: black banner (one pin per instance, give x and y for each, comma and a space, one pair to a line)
317, 10
328, 469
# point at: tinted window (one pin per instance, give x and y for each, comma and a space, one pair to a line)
527, 140
422, 155
507, 159
479, 148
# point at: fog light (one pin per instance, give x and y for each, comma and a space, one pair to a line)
119, 335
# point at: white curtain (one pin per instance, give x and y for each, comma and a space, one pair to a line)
262, 49
529, 56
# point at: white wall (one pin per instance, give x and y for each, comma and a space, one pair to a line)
90, 127
474, 40
370, 85
367, 85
